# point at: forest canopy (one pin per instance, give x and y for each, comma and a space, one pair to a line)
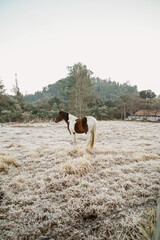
79, 93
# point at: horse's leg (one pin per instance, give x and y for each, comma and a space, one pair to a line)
88, 138
91, 137
74, 139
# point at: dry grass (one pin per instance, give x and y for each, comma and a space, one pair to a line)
7, 162
79, 167
66, 192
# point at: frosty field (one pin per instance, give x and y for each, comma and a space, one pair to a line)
50, 189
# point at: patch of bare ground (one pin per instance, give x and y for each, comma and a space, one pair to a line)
50, 189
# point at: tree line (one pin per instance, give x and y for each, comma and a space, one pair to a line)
80, 94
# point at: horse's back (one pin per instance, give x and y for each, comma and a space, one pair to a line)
91, 119
91, 122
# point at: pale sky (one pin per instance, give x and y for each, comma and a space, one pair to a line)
119, 39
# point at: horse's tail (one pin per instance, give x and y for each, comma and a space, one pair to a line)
93, 133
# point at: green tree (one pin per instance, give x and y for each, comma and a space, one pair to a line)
149, 98
56, 103
147, 94
80, 90
109, 90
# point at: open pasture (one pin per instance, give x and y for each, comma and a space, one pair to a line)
50, 189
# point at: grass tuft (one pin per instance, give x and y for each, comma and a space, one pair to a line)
147, 224
5, 162
78, 167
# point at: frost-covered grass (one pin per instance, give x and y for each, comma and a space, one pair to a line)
53, 189
6, 162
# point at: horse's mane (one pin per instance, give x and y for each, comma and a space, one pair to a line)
64, 115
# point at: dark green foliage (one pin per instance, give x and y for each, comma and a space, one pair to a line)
112, 90
147, 94
10, 109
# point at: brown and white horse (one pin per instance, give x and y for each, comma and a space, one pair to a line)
75, 125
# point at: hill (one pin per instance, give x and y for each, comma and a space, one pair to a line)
106, 90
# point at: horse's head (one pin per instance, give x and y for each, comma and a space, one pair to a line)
61, 116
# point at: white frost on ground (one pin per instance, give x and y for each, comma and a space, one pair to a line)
66, 192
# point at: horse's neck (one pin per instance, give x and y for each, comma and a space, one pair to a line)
70, 123
72, 118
